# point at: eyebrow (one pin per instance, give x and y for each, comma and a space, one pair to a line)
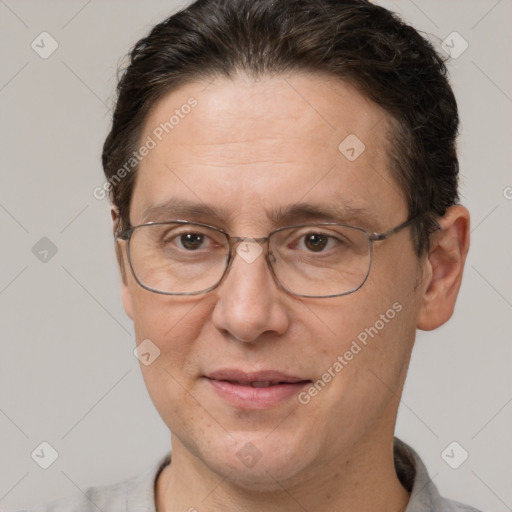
184, 209
328, 213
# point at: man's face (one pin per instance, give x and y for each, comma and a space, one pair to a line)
247, 149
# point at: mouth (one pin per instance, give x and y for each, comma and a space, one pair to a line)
258, 384
255, 390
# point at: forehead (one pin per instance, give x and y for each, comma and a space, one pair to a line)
251, 147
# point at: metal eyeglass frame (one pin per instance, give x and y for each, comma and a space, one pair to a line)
126, 234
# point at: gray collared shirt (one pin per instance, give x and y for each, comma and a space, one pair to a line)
138, 494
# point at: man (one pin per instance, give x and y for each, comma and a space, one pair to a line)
284, 187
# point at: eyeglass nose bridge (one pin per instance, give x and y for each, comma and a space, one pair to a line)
250, 253
248, 248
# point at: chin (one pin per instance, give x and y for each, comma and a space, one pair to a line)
256, 461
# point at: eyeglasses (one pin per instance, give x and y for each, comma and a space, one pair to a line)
308, 260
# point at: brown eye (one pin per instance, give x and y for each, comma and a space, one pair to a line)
316, 242
192, 241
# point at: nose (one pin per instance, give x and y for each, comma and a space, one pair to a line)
250, 303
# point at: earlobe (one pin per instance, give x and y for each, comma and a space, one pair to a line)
126, 298
449, 248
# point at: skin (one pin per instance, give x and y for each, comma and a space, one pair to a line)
247, 147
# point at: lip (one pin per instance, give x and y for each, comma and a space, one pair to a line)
234, 386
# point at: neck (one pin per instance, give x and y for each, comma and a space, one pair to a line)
360, 481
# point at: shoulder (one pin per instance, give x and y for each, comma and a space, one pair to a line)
455, 506
108, 497
135, 494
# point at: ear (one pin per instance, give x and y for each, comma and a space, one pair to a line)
127, 299
121, 254
445, 264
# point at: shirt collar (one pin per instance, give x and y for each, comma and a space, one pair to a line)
414, 476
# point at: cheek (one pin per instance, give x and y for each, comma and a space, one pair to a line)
367, 338
173, 324
363, 367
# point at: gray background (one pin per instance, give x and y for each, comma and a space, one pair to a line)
67, 372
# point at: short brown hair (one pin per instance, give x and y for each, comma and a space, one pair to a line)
359, 42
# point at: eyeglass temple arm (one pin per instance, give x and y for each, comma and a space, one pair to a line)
375, 237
